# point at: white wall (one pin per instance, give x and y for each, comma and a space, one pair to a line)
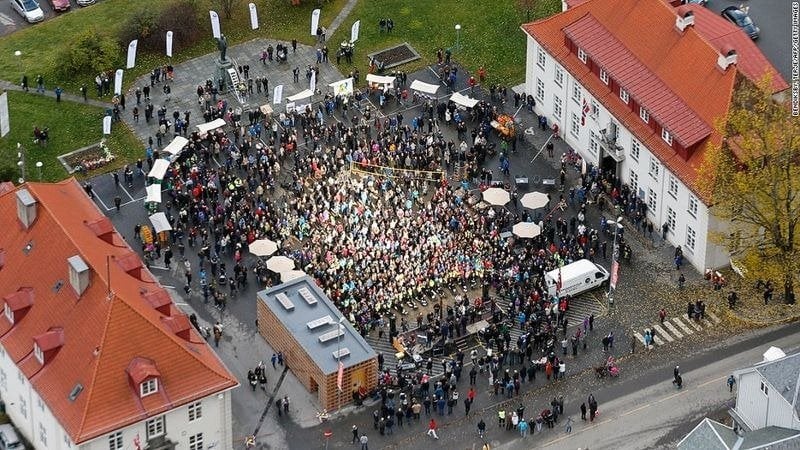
760, 409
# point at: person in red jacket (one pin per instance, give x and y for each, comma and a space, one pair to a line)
432, 429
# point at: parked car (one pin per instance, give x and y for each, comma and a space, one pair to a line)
85, 2
60, 5
9, 439
28, 9
741, 19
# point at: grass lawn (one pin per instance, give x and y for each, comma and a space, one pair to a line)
490, 34
40, 44
72, 126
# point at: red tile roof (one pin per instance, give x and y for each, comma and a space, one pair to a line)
684, 62
102, 334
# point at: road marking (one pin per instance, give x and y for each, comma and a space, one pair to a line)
97, 197
640, 337
660, 331
696, 325
657, 340
685, 327
674, 330
713, 317
153, 266
7, 21
126, 192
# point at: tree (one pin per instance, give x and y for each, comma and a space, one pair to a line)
753, 182
89, 53
227, 7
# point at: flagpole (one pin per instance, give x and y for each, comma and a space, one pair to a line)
614, 263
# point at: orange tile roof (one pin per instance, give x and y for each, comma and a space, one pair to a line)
102, 334
684, 62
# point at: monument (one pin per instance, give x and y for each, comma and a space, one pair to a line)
223, 63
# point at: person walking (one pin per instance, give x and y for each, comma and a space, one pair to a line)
217, 333
481, 428
355, 434
662, 315
523, 428
568, 425
432, 429
592, 407
731, 382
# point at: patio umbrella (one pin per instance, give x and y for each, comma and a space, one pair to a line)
280, 264
263, 247
534, 200
496, 196
290, 275
526, 230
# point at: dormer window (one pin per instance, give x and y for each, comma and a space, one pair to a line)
604, 76
644, 115
38, 353
582, 55
666, 136
8, 313
148, 387
623, 95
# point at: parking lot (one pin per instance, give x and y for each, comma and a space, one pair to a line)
11, 21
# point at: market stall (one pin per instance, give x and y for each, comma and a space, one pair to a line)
380, 81
425, 88
159, 169
463, 100
176, 146
204, 128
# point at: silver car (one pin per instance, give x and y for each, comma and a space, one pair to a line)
28, 9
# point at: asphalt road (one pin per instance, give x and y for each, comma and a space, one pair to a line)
11, 21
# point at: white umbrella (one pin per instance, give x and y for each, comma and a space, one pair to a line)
280, 264
160, 222
534, 200
290, 275
263, 247
496, 196
526, 230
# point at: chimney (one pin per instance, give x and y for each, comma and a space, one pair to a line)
727, 58
685, 18
26, 208
564, 5
79, 274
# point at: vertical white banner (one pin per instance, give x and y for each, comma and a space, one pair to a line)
107, 125
277, 94
132, 54
169, 44
313, 86
253, 16
354, 31
5, 126
215, 30
118, 82
315, 21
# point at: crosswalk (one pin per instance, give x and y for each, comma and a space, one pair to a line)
677, 328
580, 308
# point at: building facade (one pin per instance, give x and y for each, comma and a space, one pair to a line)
767, 394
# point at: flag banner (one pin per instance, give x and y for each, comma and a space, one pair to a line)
614, 274
132, 54
313, 85
354, 30
169, 44
315, 21
118, 82
343, 87
277, 94
107, 125
215, 30
340, 376
584, 112
253, 16
5, 126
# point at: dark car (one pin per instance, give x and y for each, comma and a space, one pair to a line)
741, 19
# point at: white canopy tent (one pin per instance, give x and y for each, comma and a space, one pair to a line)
208, 126
380, 79
305, 93
153, 193
290, 275
159, 169
176, 145
463, 100
160, 222
423, 87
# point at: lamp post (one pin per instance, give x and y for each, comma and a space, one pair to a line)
614, 262
21, 162
458, 36
39, 165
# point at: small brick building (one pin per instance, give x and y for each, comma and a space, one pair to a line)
298, 319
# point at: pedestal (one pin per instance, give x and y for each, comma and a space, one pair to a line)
222, 71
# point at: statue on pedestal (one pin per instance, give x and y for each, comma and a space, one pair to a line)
222, 45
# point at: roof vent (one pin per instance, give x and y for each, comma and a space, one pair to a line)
685, 17
26, 208
75, 392
284, 300
331, 335
307, 296
79, 274
727, 58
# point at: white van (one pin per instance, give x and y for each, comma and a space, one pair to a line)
576, 278
9, 439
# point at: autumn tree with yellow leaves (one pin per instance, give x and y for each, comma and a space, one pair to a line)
753, 182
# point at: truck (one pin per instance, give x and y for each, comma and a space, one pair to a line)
577, 277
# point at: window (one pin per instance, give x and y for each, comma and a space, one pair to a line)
556, 107
576, 92
540, 89
559, 77
541, 58
196, 442
40, 403
764, 388
594, 146
666, 136
603, 76
644, 115
582, 55
634, 180
23, 406
115, 441
67, 442
3, 380
671, 219
42, 434
595, 109
9, 313
652, 200
149, 387
673, 187
691, 237
38, 353
636, 147
575, 125
21, 377
155, 427
623, 95
655, 167
195, 411
693, 205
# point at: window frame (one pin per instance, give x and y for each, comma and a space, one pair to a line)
672, 186
644, 114
38, 353
652, 200
575, 125
541, 58
594, 109
195, 411
540, 89
148, 387
594, 143
604, 76
655, 168
633, 180
158, 425
672, 219
42, 434
198, 441
692, 206
577, 92
636, 149
582, 56
115, 441
557, 107
666, 136
558, 77
624, 96
691, 237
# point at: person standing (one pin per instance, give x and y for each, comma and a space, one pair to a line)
662, 314
592, 407
39, 84
432, 429
731, 382
583, 411
364, 440
355, 434
217, 333
58, 92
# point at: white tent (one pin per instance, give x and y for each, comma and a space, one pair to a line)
153, 193
463, 100
526, 230
426, 88
176, 145
159, 169
160, 222
496, 196
208, 126
290, 275
280, 264
300, 95
773, 353
342, 87
380, 79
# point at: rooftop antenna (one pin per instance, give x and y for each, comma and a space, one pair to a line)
109, 294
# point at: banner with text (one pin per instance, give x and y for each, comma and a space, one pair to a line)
277, 94
315, 21
354, 31
253, 16
5, 126
118, 82
313, 84
169, 44
132, 54
107, 125
343, 87
215, 29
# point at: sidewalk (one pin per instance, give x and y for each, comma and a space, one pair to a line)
6, 85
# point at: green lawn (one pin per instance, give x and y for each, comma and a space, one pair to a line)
72, 126
490, 34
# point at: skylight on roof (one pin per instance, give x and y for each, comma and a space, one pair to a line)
57, 286
307, 296
75, 392
341, 353
284, 300
319, 322
331, 335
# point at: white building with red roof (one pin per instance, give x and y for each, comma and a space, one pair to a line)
94, 355
638, 87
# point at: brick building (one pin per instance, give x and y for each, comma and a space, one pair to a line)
298, 319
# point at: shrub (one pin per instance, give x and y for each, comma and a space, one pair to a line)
91, 52
150, 27
140, 25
